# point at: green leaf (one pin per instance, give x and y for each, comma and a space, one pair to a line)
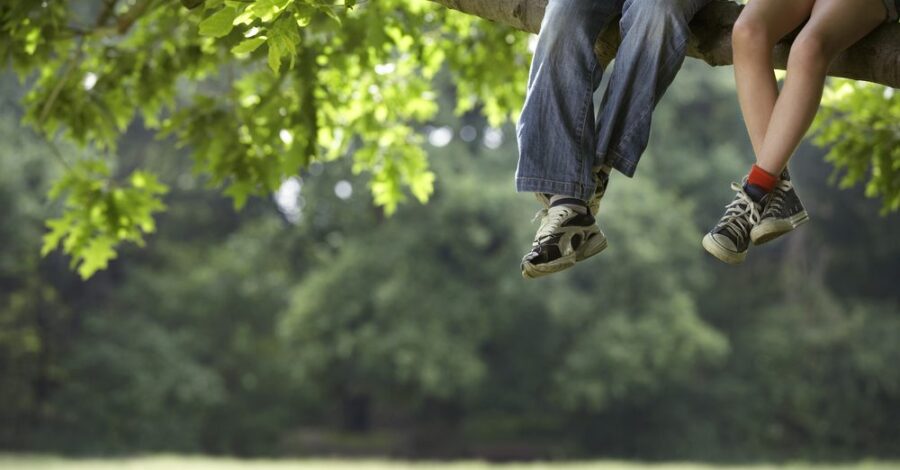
328, 10
31, 40
274, 57
58, 229
248, 45
422, 185
267, 10
219, 23
96, 256
284, 36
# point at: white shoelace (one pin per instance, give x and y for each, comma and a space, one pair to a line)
776, 198
552, 219
739, 213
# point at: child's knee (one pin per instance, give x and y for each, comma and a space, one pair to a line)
751, 32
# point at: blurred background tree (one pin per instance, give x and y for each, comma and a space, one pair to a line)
308, 323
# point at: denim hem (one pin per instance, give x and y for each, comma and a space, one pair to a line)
626, 166
541, 185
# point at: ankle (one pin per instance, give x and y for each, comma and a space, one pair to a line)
759, 183
573, 203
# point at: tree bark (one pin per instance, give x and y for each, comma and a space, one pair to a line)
875, 59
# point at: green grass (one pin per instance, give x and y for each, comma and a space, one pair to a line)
13, 462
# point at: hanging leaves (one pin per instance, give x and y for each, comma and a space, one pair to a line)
255, 90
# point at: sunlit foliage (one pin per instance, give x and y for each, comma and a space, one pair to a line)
861, 123
257, 89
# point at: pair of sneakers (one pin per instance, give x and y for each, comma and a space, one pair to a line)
568, 235
568, 232
749, 222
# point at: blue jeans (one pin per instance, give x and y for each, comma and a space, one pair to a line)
560, 140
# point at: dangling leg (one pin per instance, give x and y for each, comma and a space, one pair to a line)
767, 206
761, 25
654, 41
833, 26
557, 137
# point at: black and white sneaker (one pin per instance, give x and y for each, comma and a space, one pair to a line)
730, 239
564, 237
782, 212
598, 241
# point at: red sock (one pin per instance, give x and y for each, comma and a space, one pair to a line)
762, 179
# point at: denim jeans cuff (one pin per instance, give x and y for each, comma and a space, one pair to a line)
541, 185
626, 166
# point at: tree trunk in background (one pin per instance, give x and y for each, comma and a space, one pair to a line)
355, 412
874, 59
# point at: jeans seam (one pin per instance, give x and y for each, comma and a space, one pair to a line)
590, 104
584, 117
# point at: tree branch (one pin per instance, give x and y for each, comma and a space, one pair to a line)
875, 59
125, 21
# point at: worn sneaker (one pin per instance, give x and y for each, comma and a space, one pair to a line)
564, 237
782, 212
596, 242
730, 239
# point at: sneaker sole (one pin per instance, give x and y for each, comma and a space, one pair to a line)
534, 271
714, 248
592, 247
768, 229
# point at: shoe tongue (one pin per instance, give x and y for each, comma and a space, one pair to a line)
755, 192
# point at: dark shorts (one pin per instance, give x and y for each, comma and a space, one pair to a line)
893, 8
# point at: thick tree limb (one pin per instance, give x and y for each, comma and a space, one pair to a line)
874, 59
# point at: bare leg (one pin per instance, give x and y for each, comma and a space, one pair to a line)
761, 25
834, 26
